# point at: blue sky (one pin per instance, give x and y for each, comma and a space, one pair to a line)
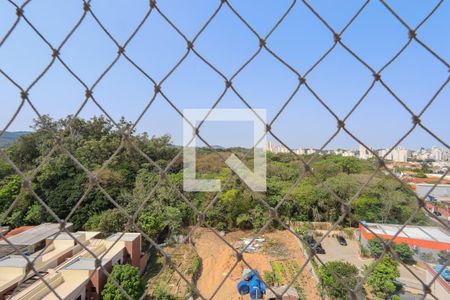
265, 83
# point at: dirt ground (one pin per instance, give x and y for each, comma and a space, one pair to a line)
166, 277
218, 259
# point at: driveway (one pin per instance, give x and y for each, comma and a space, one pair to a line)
349, 253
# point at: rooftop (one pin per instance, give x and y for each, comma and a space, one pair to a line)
128, 236
17, 231
35, 234
7, 250
432, 184
16, 261
429, 233
64, 236
81, 263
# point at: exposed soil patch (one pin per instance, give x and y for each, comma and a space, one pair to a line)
218, 259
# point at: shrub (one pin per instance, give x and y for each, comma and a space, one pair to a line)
195, 265
382, 279
404, 252
427, 257
349, 232
304, 228
162, 294
128, 278
348, 275
376, 247
443, 256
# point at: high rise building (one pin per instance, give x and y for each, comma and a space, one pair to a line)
436, 154
400, 154
364, 153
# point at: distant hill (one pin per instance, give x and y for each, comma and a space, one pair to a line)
8, 137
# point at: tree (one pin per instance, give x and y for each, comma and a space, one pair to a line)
9, 189
382, 278
109, 221
349, 165
151, 223
376, 247
128, 278
404, 252
443, 256
338, 288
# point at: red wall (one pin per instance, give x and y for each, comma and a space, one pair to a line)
411, 242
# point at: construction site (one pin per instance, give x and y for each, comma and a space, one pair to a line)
276, 255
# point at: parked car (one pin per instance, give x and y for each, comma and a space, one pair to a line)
436, 213
341, 240
319, 249
312, 242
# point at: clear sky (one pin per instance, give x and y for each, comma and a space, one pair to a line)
300, 40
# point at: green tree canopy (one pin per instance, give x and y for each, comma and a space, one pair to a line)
382, 279
348, 277
404, 252
375, 246
128, 278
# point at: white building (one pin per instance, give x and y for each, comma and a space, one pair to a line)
271, 147
436, 154
398, 154
364, 153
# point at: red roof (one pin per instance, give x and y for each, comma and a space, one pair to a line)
17, 231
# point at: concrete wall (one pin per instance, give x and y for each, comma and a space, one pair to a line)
134, 251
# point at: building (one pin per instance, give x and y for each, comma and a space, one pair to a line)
437, 154
441, 190
54, 252
364, 153
299, 151
428, 240
78, 278
271, 147
398, 154
28, 239
9, 233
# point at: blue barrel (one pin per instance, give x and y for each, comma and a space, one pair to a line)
256, 290
243, 288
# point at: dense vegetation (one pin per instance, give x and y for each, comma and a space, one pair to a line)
7, 138
382, 280
130, 281
348, 278
129, 179
404, 252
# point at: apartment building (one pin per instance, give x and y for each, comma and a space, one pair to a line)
13, 268
28, 239
79, 277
